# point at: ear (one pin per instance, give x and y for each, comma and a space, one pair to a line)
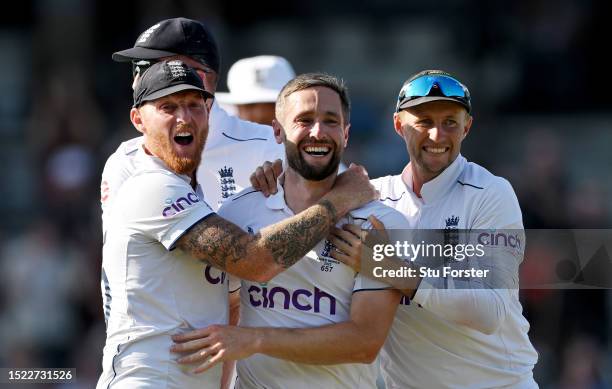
397, 123
346, 134
278, 131
468, 125
136, 119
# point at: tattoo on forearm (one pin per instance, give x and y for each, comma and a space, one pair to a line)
289, 243
330, 208
216, 241
220, 242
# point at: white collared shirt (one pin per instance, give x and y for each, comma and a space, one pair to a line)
150, 290
315, 291
426, 348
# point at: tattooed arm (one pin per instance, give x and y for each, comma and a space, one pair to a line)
275, 248
261, 256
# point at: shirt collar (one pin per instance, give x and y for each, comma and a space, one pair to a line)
439, 186
277, 201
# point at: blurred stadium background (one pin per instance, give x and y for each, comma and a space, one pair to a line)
541, 97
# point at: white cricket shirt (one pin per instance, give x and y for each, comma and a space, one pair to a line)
150, 290
426, 348
315, 291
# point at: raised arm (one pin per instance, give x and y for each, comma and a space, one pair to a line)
275, 248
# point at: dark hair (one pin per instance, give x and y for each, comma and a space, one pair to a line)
310, 80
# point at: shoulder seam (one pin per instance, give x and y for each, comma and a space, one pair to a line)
466, 184
243, 140
397, 199
244, 194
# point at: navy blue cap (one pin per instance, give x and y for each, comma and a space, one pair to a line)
176, 36
165, 78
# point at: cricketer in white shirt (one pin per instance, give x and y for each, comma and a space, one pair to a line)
316, 291
234, 149
426, 347
150, 290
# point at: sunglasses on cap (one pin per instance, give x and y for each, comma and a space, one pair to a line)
139, 67
432, 86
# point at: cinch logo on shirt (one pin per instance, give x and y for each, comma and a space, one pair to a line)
264, 298
179, 204
214, 275
499, 239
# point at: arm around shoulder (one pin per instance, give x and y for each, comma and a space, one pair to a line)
261, 256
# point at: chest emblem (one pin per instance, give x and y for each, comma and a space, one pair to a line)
451, 232
228, 185
452, 223
327, 263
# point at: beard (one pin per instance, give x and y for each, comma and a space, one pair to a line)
162, 145
312, 173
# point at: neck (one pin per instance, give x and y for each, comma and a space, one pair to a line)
301, 193
418, 177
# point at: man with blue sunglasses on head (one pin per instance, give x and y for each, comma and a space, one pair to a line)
447, 334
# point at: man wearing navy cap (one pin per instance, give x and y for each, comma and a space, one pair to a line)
165, 251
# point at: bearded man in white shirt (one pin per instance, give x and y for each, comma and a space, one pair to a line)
320, 324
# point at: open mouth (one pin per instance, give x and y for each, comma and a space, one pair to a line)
436, 150
183, 138
317, 151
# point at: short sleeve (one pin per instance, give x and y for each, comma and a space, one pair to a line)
160, 205
364, 283
499, 208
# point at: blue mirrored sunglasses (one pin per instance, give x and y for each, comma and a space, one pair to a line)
433, 85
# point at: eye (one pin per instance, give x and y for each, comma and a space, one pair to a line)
168, 107
304, 121
424, 123
196, 105
332, 121
450, 123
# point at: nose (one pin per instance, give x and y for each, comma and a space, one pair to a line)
183, 114
316, 131
435, 133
